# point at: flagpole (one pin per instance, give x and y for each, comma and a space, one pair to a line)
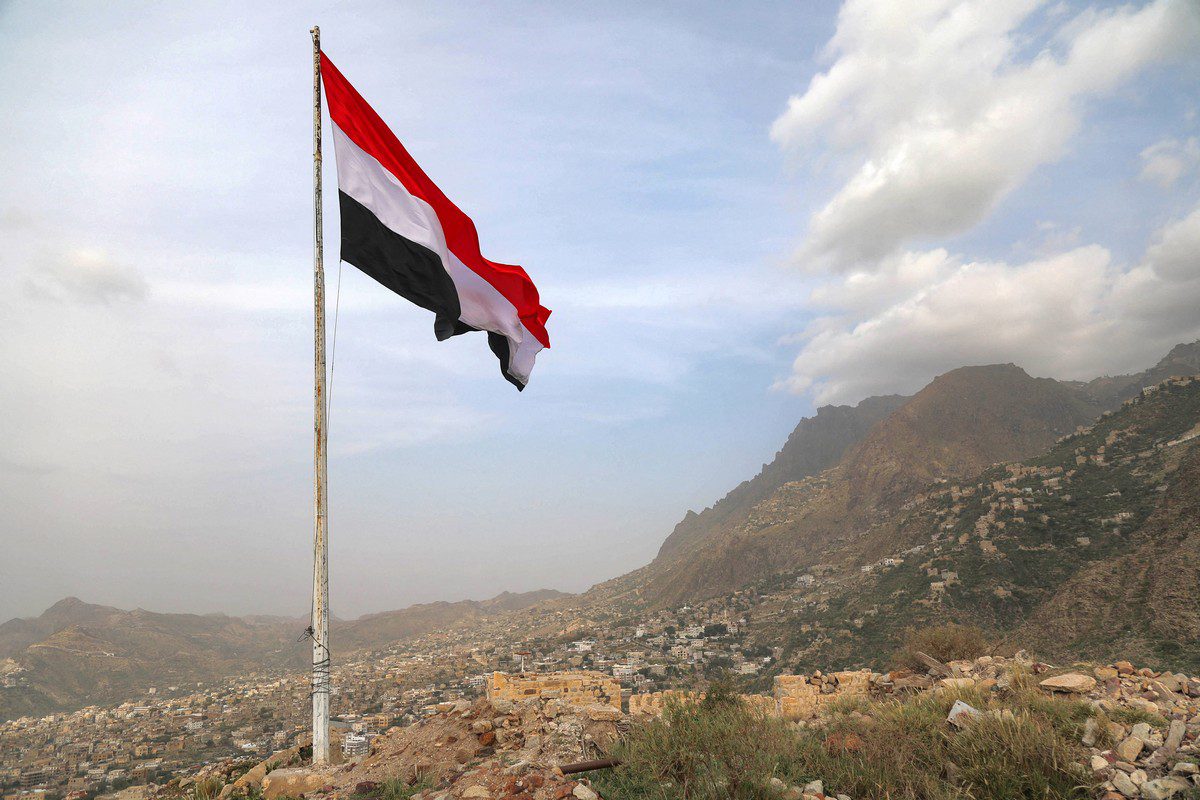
320, 597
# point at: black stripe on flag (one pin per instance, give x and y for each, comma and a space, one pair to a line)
500, 347
411, 270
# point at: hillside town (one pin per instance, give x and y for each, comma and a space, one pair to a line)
758, 635
171, 730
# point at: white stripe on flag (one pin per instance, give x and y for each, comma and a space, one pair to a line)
362, 177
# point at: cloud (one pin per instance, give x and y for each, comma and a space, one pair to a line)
1073, 315
933, 114
85, 276
1166, 161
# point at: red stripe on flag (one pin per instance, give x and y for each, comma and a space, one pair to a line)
358, 120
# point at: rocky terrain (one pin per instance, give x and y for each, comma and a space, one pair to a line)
1130, 732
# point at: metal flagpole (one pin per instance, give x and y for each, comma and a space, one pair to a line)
320, 598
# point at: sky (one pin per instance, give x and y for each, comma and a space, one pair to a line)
737, 213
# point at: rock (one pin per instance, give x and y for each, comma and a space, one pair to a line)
292, 782
1091, 730
1185, 768
957, 683
477, 791
1104, 673
1071, 682
367, 787
584, 792
962, 713
603, 713
1124, 785
1174, 682
1129, 749
1141, 730
481, 726
1100, 764
1162, 788
777, 785
1124, 667
814, 787
1175, 735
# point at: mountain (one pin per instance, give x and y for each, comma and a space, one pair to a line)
17, 634
963, 421
92, 654
1110, 392
829, 492
374, 631
76, 653
1089, 550
817, 443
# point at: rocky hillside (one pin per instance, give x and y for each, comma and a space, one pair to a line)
375, 631
77, 653
83, 653
1091, 548
876, 456
964, 420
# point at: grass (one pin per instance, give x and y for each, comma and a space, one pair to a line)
206, 789
398, 789
947, 642
1132, 716
1025, 746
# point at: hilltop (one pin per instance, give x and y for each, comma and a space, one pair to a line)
76, 653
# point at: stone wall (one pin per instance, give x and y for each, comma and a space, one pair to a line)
653, 703
795, 697
802, 696
575, 688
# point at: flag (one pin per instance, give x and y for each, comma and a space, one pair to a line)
400, 229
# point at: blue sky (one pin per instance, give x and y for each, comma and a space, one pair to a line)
736, 212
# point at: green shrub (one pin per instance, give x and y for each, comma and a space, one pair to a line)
206, 789
946, 642
398, 789
718, 749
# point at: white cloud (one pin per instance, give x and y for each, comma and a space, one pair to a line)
1166, 161
935, 116
1073, 315
85, 276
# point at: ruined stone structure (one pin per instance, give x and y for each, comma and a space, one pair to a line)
575, 688
795, 697
653, 703
801, 696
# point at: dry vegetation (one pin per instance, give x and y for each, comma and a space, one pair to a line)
1025, 746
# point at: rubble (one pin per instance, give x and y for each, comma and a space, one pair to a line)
483, 749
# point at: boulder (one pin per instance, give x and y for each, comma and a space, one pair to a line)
1124, 784
1129, 749
1071, 682
292, 782
581, 792
1162, 788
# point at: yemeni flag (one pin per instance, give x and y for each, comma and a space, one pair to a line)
399, 228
